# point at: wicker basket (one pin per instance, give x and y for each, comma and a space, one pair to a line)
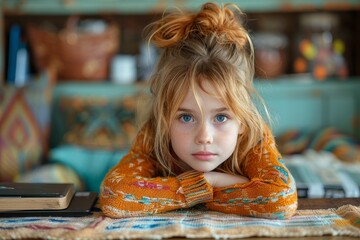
74, 55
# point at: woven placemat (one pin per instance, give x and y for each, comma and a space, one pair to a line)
343, 221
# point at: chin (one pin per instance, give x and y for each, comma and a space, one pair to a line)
204, 169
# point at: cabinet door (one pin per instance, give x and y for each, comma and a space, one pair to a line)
313, 106
302, 111
342, 111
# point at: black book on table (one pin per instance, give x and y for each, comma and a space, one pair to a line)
35, 196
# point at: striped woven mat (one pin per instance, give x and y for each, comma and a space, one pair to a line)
343, 221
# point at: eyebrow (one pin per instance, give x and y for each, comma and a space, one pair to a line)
184, 110
221, 109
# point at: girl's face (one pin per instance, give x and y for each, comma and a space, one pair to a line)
204, 140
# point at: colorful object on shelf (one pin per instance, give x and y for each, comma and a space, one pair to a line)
339, 46
321, 47
308, 49
18, 57
300, 65
320, 72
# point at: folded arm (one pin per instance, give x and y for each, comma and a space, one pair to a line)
270, 191
131, 188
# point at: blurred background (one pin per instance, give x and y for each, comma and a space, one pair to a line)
72, 73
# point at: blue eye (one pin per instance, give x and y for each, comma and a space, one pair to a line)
186, 118
221, 118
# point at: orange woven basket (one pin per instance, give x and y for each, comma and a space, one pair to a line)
74, 55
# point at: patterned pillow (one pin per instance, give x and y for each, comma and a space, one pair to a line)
342, 145
24, 125
293, 141
96, 122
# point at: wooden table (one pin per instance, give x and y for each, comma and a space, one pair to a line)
323, 203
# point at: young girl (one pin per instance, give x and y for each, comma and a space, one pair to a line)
204, 141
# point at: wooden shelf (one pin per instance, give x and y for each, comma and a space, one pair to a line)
158, 6
132, 12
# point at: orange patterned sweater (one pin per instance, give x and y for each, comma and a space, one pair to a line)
131, 188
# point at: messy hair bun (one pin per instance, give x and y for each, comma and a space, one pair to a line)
211, 19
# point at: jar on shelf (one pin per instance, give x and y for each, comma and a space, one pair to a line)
270, 54
320, 47
270, 45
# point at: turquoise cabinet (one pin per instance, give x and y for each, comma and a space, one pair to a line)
302, 104
310, 105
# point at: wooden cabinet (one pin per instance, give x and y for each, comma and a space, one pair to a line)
134, 15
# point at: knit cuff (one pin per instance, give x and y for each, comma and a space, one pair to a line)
195, 188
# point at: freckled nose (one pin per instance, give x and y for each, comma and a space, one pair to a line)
204, 135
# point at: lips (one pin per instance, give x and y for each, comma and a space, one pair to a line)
204, 156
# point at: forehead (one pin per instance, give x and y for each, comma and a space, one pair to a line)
204, 95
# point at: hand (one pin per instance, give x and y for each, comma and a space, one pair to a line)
218, 179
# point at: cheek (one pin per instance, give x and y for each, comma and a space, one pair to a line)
179, 130
230, 135
177, 137
179, 146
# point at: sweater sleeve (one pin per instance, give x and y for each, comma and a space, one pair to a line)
131, 188
271, 192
